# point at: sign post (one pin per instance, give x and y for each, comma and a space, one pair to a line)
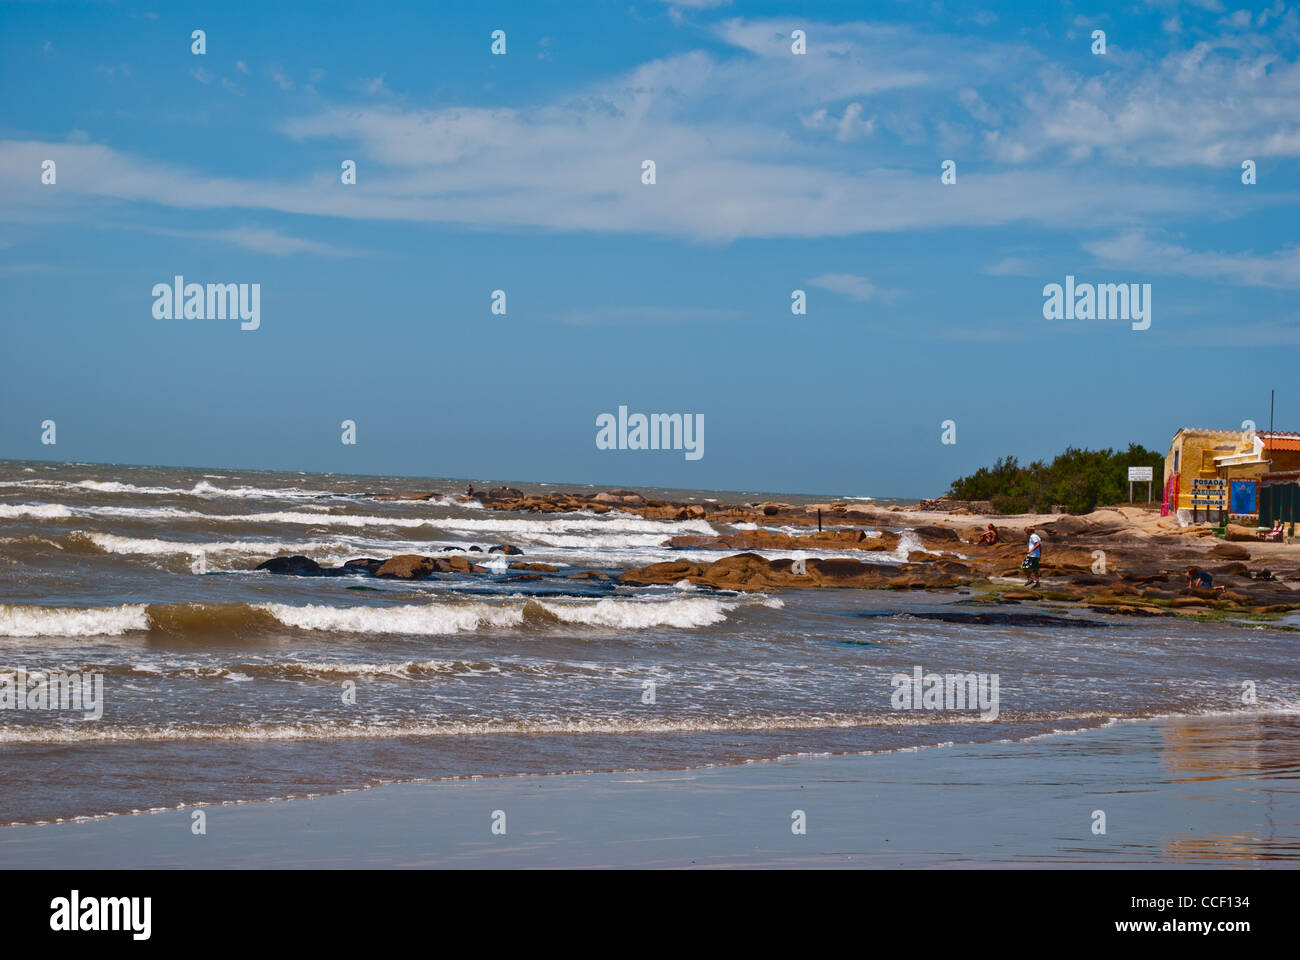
1210, 493
1137, 475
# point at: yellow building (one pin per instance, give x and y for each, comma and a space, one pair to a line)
1223, 455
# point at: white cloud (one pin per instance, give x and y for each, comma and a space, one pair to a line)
850, 126
1008, 267
259, 239
741, 147
1137, 251
1223, 100
851, 286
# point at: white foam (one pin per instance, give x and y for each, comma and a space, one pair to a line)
42, 511
638, 615
428, 619
111, 543
29, 620
573, 523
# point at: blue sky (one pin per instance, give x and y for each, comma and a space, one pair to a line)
522, 172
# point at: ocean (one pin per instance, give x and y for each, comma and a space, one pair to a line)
224, 684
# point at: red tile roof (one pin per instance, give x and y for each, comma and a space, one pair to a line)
1279, 440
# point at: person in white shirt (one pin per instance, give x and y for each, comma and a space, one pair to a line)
1034, 559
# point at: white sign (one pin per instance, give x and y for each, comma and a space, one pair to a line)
1139, 473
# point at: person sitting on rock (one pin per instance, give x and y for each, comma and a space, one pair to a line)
1198, 579
989, 536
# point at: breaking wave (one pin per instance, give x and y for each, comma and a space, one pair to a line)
447, 617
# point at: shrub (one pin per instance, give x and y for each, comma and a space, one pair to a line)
1077, 479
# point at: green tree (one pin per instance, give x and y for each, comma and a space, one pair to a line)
1078, 479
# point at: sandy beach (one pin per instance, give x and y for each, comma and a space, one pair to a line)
1204, 792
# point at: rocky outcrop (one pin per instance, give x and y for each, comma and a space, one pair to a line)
749, 571
1229, 551
944, 505
1239, 534
773, 540
408, 566
295, 566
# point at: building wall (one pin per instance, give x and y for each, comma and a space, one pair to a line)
1283, 460
1195, 451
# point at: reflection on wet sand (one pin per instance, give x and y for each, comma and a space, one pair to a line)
1262, 750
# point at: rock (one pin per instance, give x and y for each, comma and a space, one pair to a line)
368, 564
667, 572
742, 569
505, 493
407, 566
770, 540
590, 575
1020, 595
1239, 534
1145, 574
937, 534
1237, 569
1230, 551
295, 566
506, 548
1087, 580
540, 567
943, 504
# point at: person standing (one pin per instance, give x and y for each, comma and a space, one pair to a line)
1034, 559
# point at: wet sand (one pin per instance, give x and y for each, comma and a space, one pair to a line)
1205, 792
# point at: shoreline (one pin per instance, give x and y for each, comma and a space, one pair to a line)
1177, 792
1125, 560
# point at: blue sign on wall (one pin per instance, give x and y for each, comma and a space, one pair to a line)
1243, 496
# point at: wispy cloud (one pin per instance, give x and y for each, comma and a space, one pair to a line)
259, 239
1009, 267
1138, 251
852, 286
740, 141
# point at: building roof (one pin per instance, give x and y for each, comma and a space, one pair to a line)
1279, 477
1280, 440
1211, 431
